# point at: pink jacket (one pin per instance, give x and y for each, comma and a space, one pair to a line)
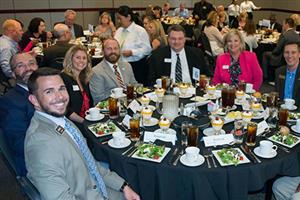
250, 69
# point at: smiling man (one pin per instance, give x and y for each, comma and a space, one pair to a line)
57, 157
287, 81
176, 60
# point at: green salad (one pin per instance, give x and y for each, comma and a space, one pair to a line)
150, 151
230, 156
102, 105
104, 128
293, 116
288, 139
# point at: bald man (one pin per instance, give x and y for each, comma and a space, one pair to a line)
12, 34
54, 55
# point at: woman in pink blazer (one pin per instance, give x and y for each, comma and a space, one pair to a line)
237, 64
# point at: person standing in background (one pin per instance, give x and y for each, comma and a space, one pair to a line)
248, 6
233, 12
201, 10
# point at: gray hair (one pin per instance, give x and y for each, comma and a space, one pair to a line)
60, 30
70, 12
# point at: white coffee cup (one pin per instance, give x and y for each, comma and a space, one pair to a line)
249, 88
266, 147
289, 103
93, 112
117, 92
158, 83
192, 154
118, 138
298, 125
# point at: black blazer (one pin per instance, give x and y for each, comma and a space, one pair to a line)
75, 95
280, 83
77, 29
158, 67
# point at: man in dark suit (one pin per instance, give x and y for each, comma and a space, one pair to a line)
54, 55
201, 9
274, 25
15, 109
176, 60
274, 58
287, 81
76, 29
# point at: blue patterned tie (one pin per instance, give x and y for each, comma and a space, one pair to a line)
178, 70
90, 162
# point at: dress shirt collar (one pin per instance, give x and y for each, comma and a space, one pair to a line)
10, 40
23, 86
130, 28
60, 121
111, 65
180, 52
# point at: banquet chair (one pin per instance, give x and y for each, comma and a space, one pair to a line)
56, 63
5, 84
27, 188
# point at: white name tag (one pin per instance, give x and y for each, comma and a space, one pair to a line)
225, 67
218, 140
151, 137
75, 88
167, 60
196, 73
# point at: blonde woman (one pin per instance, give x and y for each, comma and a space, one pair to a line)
296, 19
106, 27
157, 34
76, 75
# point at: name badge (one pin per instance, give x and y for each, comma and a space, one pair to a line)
225, 67
75, 88
167, 60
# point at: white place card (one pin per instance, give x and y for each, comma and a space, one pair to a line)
196, 73
134, 106
126, 120
151, 95
261, 127
216, 140
152, 136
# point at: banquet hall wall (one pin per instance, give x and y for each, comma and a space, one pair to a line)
52, 10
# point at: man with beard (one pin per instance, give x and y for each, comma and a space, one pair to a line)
15, 109
110, 73
57, 157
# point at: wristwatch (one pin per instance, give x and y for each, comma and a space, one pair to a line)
123, 186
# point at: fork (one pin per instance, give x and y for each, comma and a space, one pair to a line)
135, 148
207, 160
210, 154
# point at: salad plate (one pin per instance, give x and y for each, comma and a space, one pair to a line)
230, 156
151, 152
102, 105
103, 129
293, 117
288, 140
200, 160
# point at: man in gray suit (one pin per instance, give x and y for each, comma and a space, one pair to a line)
110, 73
57, 158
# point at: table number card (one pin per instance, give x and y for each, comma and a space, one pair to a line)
152, 136
125, 121
196, 73
261, 127
134, 106
216, 140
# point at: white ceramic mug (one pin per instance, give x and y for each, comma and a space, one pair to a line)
266, 147
93, 112
298, 125
117, 92
249, 88
192, 154
289, 103
118, 138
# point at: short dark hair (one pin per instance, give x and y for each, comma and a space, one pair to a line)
176, 27
293, 42
290, 22
34, 24
126, 11
44, 71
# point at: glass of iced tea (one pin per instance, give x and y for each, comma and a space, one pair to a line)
130, 92
242, 85
134, 128
251, 134
272, 99
283, 116
203, 82
193, 132
113, 108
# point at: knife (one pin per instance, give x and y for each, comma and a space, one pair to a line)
180, 154
173, 155
247, 153
254, 156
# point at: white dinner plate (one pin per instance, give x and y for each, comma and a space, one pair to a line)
126, 143
200, 160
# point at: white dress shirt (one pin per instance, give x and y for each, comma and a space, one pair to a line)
113, 69
186, 78
247, 6
136, 40
233, 10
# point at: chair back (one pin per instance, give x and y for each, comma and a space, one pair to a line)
57, 63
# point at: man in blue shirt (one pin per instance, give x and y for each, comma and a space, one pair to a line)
287, 79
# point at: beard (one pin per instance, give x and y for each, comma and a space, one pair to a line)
47, 109
23, 78
112, 58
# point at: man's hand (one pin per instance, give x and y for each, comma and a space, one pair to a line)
127, 53
129, 194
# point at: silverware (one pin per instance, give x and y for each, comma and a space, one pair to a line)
173, 155
210, 154
283, 148
135, 145
180, 154
254, 156
247, 153
128, 150
207, 160
123, 126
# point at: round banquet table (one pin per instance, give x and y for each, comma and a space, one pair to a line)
165, 181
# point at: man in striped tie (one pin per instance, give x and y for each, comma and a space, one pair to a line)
58, 160
110, 73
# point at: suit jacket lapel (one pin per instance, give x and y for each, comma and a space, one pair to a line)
109, 72
123, 71
189, 62
297, 82
168, 65
281, 78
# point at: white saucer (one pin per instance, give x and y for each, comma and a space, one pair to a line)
100, 116
271, 155
292, 108
126, 143
200, 160
211, 131
206, 96
122, 95
294, 129
259, 116
153, 121
186, 96
169, 131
